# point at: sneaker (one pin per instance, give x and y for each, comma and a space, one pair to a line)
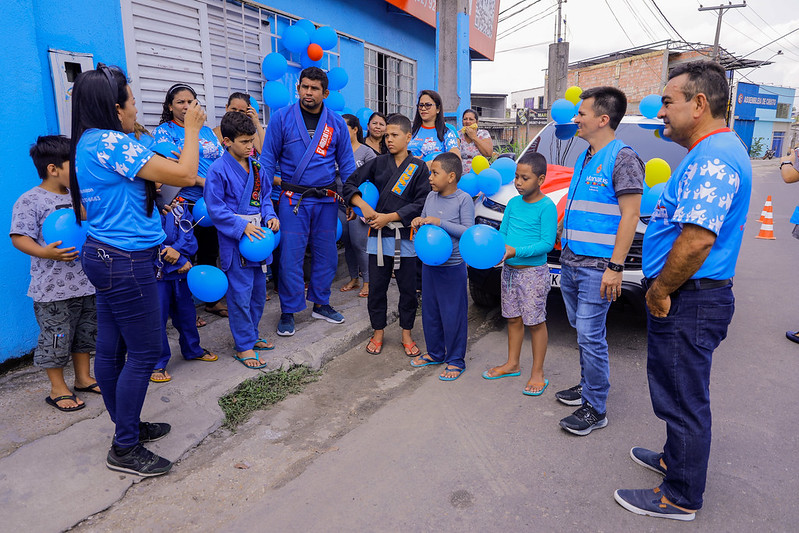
139, 460
572, 396
648, 459
584, 420
650, 502
325, 312
285, 328
153, 431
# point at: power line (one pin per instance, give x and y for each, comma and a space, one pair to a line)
619, 23
523, 24
683, 39
641, 21
511, 7
522, 9
522, 47
771, 42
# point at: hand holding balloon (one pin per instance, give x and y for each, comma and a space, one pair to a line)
510, 251
52, 251
420, 221
251, 229
273, 224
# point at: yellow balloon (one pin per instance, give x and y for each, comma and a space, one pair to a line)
573, 94
656, 171
479, 164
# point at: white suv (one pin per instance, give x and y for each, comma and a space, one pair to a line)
642, 134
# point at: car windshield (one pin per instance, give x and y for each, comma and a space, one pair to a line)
644, 139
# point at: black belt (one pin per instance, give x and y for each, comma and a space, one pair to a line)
326, 191
700, 284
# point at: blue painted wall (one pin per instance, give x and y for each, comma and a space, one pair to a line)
28, 110
756, 112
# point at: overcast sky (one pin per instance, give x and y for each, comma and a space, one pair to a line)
591, 30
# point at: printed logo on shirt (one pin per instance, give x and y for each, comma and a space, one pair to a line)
324, 141
404, 179
255, 197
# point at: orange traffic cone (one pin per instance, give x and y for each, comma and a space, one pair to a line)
766, 222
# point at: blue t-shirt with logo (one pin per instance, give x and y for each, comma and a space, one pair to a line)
710, 188
106, 164
210, 150
426, 142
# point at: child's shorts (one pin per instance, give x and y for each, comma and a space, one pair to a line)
524, 293
66, 327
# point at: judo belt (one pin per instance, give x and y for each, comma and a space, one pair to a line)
313, 192
396, 226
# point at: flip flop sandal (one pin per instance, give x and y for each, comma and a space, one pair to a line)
161, 371
378, 345
218, 312
265, 348
243, 359
206, 356
201, 323
363, 294
410, 346
486, 375
537, 393
348, 289
427, 361
54, 403
94, 387
460, 371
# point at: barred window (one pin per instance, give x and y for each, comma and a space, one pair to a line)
389, 82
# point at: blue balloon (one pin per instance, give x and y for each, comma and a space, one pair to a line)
295, 39
60, 225
348, 111
650, 105
201, 216
431, 156
257, 249
275, 95
433, 245
363, 115
340, 228
562, 111
307, 62
306, 25
650, 199
489, 181
564, 132
165, 148
469, 184
648, 126
274, 66
482, 246
254, 104
207, 283
370, 194
337, 78
506, 168
277, 239
335, 101
325, 36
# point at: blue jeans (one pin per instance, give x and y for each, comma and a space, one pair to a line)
678, 366
587, 312
128, 330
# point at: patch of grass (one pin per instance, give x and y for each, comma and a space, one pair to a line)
262, 391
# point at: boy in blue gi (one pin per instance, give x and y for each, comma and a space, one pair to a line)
172, 266
307, 142
238, 203
401, 180
445, 303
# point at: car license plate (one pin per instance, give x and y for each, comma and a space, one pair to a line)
554, 277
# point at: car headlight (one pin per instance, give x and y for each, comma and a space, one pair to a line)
494, 206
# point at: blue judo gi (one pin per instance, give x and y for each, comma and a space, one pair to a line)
308, 162
231, 191
173, 290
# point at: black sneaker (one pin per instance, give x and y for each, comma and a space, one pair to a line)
584, 420
572, 396
139, 460
153, 431
648, 459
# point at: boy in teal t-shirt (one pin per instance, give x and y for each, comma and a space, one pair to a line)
529, 227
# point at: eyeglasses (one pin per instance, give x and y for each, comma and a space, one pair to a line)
185, 226
425, 105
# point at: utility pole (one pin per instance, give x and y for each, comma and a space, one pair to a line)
721, 9
557, 73
452, 42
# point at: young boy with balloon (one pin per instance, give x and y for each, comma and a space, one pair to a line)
63, 298
239, 204
402, 186
529, 226
450, 211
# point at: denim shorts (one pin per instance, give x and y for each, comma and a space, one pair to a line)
65, 327
524, 293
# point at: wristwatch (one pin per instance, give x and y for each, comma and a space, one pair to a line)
615, 267
785, 163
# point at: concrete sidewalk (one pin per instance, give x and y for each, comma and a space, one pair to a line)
59, 458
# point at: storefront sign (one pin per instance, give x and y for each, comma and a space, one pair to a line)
750, 98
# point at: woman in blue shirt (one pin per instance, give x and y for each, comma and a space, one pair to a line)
430, 136
113, 177
179, 98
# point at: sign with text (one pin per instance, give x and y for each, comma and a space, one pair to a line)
483, 16
750, 98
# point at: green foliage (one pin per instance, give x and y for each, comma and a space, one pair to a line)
758, 147
262, 391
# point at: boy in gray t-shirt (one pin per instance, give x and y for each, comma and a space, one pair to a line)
63, 298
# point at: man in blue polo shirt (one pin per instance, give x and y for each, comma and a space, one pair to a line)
690, 249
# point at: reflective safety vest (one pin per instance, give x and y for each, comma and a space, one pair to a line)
592, 209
